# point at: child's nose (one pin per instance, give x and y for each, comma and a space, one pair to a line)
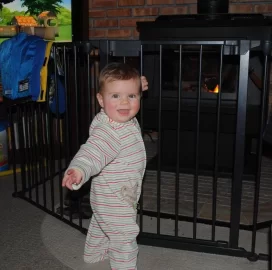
124, 100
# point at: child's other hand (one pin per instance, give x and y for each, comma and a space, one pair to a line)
71, 177
144, 83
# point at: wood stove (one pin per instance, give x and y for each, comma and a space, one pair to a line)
206, 73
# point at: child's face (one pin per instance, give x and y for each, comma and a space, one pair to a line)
120, 99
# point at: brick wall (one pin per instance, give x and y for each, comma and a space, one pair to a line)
116, 19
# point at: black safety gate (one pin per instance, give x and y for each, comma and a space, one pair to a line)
45, 136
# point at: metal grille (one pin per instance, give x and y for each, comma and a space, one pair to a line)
45, 138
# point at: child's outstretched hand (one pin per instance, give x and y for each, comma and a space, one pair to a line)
144, 83
71, 177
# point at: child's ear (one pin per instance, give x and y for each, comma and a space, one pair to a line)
100, 100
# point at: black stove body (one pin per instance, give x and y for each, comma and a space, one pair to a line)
185, 57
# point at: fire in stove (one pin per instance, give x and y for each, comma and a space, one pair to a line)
189, 66
215, 90
211, 85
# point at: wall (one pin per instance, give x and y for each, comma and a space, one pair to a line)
116, 19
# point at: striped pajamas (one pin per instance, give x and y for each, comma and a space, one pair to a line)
115, 155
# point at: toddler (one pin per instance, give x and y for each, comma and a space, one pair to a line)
115, 156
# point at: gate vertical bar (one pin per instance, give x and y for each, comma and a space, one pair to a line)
178, 143
197, 144
104, 47
67, 109
96, 84
104, 53
28, 150
34, 147
21, 147
58, 133
89, 86
44, 161
21, 134
38, 145
236, 194
76, 96
142, 126
259, 157
77, 110
216, 152
50, 152
13, 150
40, 152
159, 149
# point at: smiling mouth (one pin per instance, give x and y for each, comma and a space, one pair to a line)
123, 112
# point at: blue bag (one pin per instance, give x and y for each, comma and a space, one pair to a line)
56, 98
56, 88
21, 60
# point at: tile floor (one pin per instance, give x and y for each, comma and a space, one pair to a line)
205, 200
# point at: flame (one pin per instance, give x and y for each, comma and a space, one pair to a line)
215, 90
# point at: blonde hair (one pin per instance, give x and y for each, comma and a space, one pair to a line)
115, 72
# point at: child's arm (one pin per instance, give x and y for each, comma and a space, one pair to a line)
100, 149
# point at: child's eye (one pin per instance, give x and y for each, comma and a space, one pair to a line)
132, 96
115, 96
